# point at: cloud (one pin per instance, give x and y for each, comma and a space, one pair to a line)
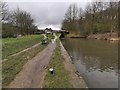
46, 14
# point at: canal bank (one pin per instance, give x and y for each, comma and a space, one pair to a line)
95, 60
64, 72
100, 36
76, 79
105, 36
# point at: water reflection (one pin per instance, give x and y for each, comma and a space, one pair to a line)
96, 60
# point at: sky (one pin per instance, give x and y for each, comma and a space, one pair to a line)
47, 14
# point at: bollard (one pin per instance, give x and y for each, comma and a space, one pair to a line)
51, 70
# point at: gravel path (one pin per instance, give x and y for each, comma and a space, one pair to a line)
33, 72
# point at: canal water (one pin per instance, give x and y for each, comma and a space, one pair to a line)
95, 60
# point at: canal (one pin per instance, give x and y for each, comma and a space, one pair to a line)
95, 60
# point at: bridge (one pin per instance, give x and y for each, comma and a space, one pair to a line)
48, 31
63, 33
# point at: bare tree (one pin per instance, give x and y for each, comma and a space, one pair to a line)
118, 18
74, 12
97, 17
3, 11
71, 17
68, 14
23, 20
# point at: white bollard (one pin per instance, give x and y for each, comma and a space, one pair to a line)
51, 70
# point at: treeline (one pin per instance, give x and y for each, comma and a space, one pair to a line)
97, 17
17, 22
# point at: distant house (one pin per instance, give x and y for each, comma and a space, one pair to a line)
48, 30
43, 31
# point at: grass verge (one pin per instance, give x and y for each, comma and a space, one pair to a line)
61, 78
58, 35
73, 34
14, 64
13, 45
50, 36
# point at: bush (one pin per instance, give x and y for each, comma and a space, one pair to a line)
9, 31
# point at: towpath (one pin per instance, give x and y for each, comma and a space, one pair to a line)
33, 72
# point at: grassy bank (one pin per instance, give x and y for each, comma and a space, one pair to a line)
14, 45
50, 36
105, 36
74, 34
58, 34
60, 79
14, 64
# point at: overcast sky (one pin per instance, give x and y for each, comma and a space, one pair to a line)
46, 14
